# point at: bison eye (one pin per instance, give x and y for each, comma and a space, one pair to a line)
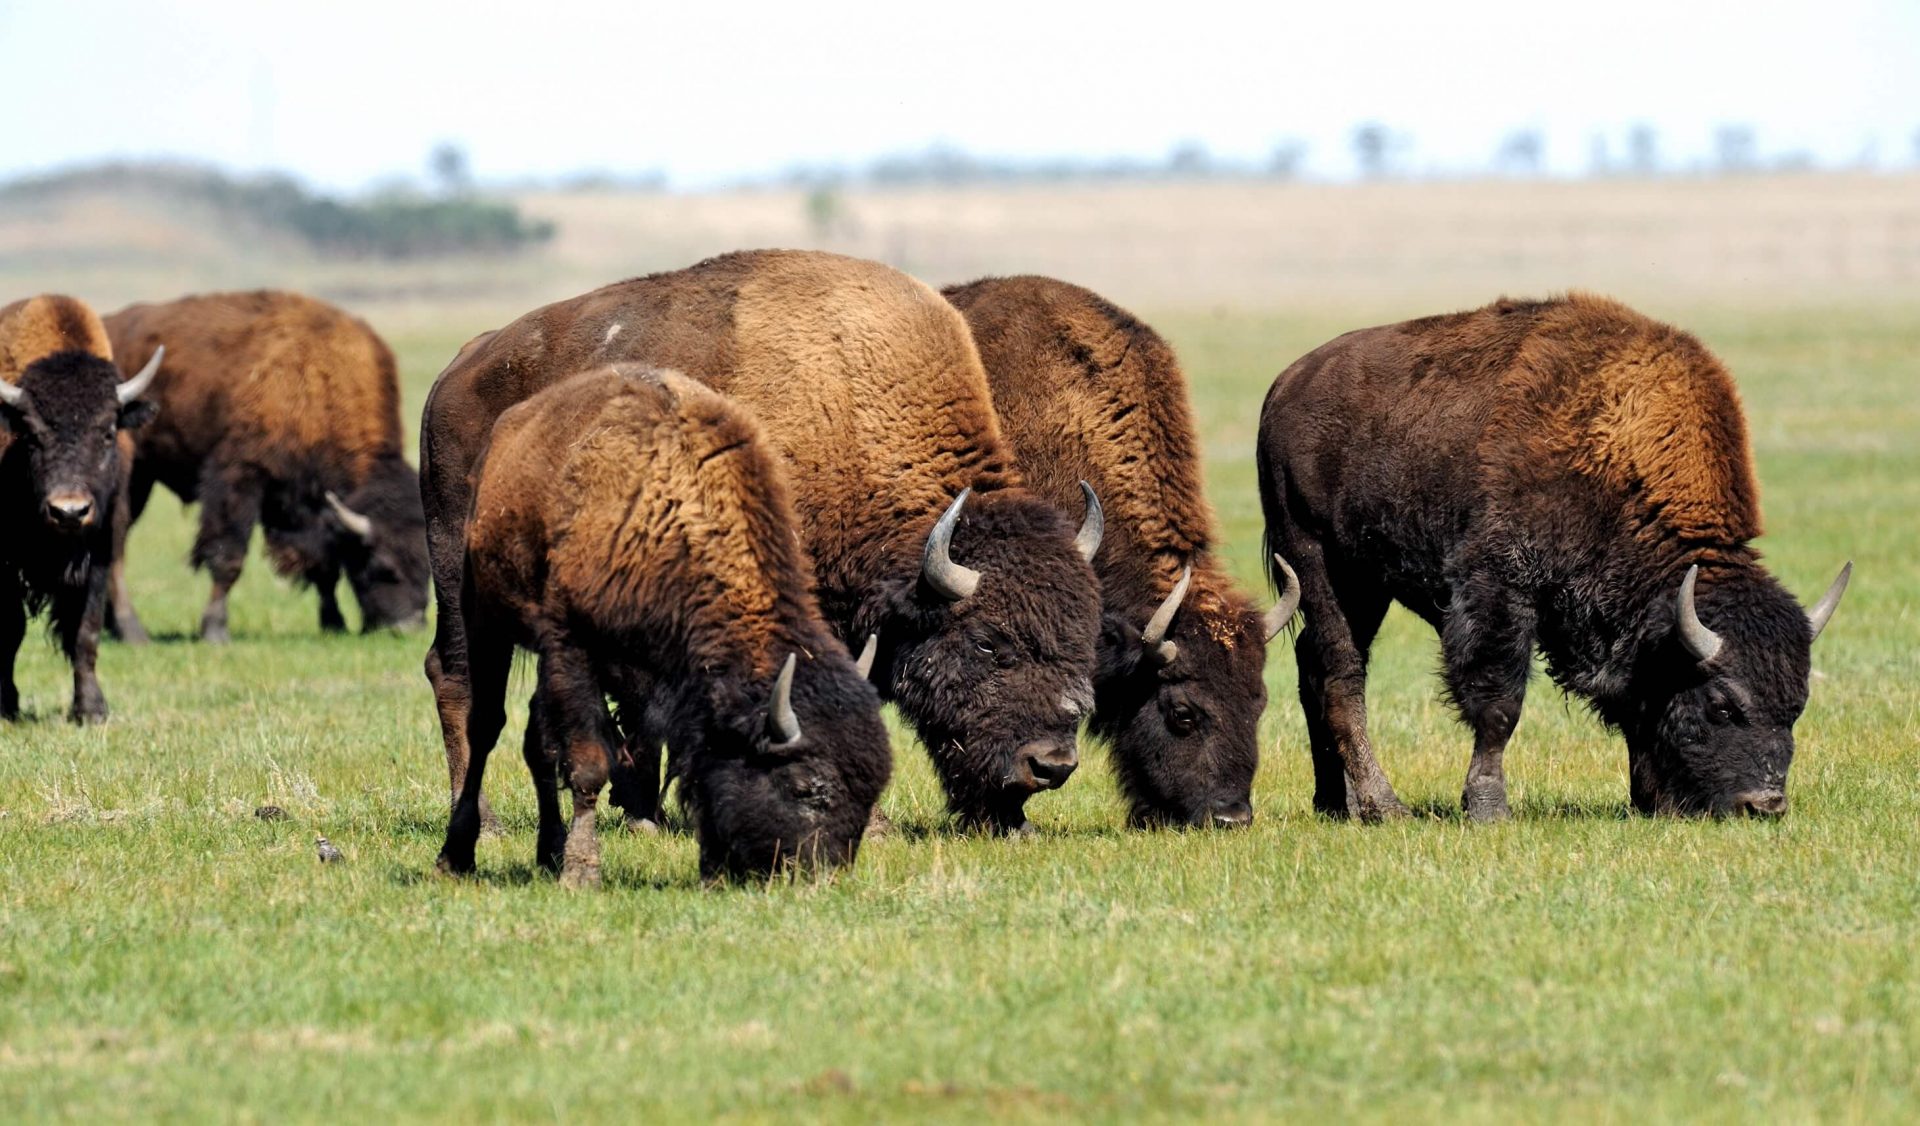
1721, 714
1180, 718
984, 647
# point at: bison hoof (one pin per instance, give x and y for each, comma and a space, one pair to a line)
1375, 808
1486, 803
580, 877
451, 866
645, 826
88, 715
215, 635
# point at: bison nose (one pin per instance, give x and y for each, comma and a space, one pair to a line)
73, 510
1232, 815
1048, 762
1760, 803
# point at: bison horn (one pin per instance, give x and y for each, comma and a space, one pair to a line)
1702, 642
781, 722
1154, 637
950, 579
11, 394
137, 386
1822, 612
1092, 526
865, 661
352, 521
1282, 612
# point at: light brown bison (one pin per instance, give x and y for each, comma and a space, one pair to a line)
1087, 393
630, 527
1565, 474
282, 411
64, 418
921, 531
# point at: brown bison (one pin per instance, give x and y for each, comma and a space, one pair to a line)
283, 411
1087, 393
1564, 474
921, 531
630, 527
64, 415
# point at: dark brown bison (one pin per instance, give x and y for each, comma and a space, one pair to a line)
1564, 474
630, 527
1087, 393
921, 531
63, 415
283, 411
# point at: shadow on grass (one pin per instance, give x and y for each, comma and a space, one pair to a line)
1555, 809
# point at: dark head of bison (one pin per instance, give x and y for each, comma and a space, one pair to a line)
67, 411
1180, 699
988, 648
789, 778
1710, 729
380, 538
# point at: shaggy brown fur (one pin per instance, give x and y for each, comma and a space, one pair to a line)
270, 400
1534, 472
1085, 391
630, 526
867, 384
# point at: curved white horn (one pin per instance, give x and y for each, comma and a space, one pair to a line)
11, 394
1822, 612
1092, 526
950, 579
1702, 642
1154, 637
782, 724
867, 652
352, 521
137, 386
1283, 610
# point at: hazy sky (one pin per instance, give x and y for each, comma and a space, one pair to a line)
349, 92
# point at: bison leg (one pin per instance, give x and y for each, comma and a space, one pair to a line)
122, 622
1487, 644
13, 629
325, 580
550, 852
574, 705
230, 500
77, 615
1341, 620
491, 659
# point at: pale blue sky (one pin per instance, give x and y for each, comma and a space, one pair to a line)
348, 92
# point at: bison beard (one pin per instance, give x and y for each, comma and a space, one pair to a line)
631, 528
1564, 474
868, 385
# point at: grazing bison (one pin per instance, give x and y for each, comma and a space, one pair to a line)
1564, 474
62, 478
1085, 392
283, 411
630, 527
921, 531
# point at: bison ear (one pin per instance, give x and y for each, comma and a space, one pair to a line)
138, 413
1120, 650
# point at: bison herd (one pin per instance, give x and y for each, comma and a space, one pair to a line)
734, 508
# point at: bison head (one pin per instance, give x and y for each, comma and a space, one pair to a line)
1717, 695
67, 412
988, 648
1180, 698
791, 778
379, 535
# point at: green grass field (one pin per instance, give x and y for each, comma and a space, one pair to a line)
163, 954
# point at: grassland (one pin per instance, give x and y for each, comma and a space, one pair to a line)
163, 954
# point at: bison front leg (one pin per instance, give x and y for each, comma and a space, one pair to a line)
1332, 653
13, 629
1487, 645
573, 704
230, 499
326, 582
122, 621
78, 614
